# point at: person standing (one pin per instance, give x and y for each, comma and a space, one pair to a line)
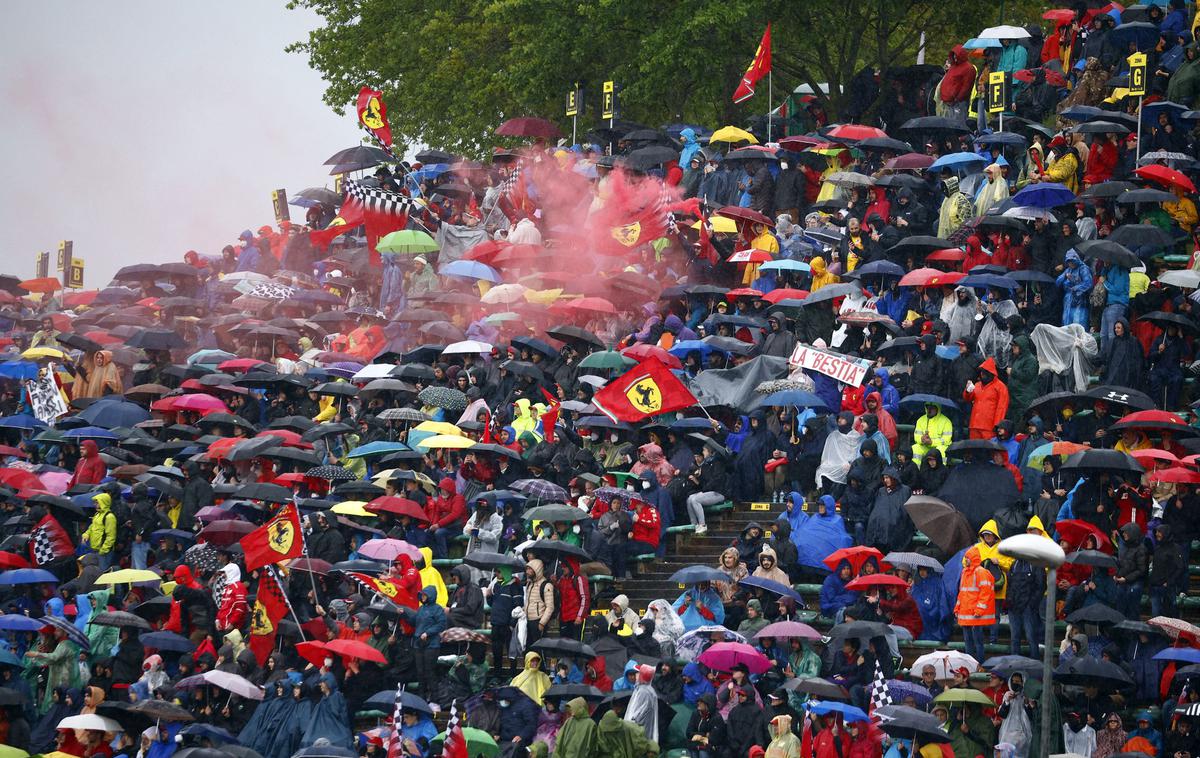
989, 401
976, 606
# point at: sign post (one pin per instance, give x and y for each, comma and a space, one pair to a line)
574, 106
1137, 86
997, 94
609, 102
280, 204
74, 274
43, 265
65, 257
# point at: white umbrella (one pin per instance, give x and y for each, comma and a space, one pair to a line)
1005, 31
1029, 213
467, 346
944, 662
245, 276
90, 721
238, 685
373, 371
1184, 277
504, 293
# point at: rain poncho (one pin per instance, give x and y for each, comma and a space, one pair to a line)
697, 608
668, 626
784, 743
532, 680
1068, 351
841, 448
330, 718
643, 704
1016, 729
934, 606
960, 315
577, 736
994, 340
816, 535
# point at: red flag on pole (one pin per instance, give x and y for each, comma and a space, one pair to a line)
270, 607
372, 114
49, 541
759, 67
549, 416
279, 539
646, 390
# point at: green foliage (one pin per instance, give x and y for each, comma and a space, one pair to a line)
452, 71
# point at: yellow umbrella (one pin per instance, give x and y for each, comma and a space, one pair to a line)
128, 576
352, 508
446, 442
8, 751
543, 297
438, 427
34, 353
732, 134
167, 588
720, 225
384, 475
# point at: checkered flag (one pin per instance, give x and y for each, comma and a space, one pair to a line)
381, 200
49, 541
394, 748
664, 200
510, 182
455, 745
880, 696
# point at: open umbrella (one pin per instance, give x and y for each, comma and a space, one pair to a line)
849, 712
1091, 672
788, 630
944, 525
72, 631
528, 127
944, 662
698, 574
1099, 613
817, 687
723, 656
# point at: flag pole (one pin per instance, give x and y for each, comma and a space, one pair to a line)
770, 107
274, 574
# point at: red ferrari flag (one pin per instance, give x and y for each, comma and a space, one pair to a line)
372, 114
279, 539
646, 390
759, 67
270, 606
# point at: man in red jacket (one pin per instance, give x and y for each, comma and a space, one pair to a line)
644, 538
955, 89
447, 513
989, 401
90, 469
575, 599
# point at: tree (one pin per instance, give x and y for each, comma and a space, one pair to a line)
452, 71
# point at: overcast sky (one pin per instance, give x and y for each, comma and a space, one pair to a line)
141, 129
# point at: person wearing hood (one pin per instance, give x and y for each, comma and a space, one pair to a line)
90, 469
1145, 730
993, 193
1016, 712
989, 401
956, 208
232, 610
643, 704
659, 499
700, 605
466, 604
889, 526
97, 376
956, 85
821, 276
540, 605
1133, 562
1166, 358
706, 729
1122, 358
248, 253
976, 606
959, 310
768, 567
1076, 284
779, 340
760, 444
330, 716
532, 680
101, 535
784, 742
1026, 584
841, 449
447, 513
1167, 566
834, 596
996, 562
620, 618
576, 737
1023, 370
746, 723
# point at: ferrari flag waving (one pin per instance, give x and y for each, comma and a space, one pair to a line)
646, 390
279, 539
372, 114
759, 67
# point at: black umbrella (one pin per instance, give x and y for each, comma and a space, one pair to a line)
360, 157
1090, 672
1104, 460
903, 721
861, 629
817, 687
560, 646
136, 272
1164, 319
270, 493
443, 397
430, 155
72, 631
569, 691
154, 607
935, 124
921, 243
1092, 558
523, 368
162, 710
560, 549
358, 488
986, 446
1139, 627
1107, 190
1097, 613
569, 333
156, 339
484, 559
79, 342
1110, 252
1136, 235
884, 143
1132, 398
120, 618
938, 520
1101, 127
646, 158
385, 701
1145, 196
831, 292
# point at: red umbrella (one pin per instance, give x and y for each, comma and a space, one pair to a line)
528, 127
856, 555
355, 649
909, 162
290, 480
239, 364
19, 479
1155, 417
1147, 456
226, 531
1176, 628
592, 305
743, 292
12, 561
76, 299
1075, 531
750, 255
104, 338
930, 277
43, 284
400, 506
485, 251
947, 255
199, 401
799, 143
642, 351
288, 437
515, 255
855, 132
745, 214
785, 293
1166, 176
16, 452
1176, 475
876, 580
313, 651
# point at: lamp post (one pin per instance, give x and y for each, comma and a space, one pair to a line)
1045, 552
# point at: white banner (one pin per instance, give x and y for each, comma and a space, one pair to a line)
45, 397
846, 370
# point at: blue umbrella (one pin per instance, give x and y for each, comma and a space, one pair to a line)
978, 43
178, 534
1150, 111
770, 586
90, 433
880, 268
27, 576
470, 270
169, 641
988, 280
210, 732
1181, 654
681, 349
209, 357
112, 411
1029, 276
17, 370
920, 400
785, 265
431, 171
21, 421
1044, 195
15, 622
8, 659
1144, 34
379, 447
798, 398
699, 423
954, 160
697, 574
1000, 138
825, 707
900, 689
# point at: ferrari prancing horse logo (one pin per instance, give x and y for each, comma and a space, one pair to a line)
282, 534
629, 234
645, 396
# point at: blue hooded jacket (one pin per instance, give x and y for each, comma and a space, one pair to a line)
623, 684
692, 618
421, 733
816, 536
429, 619
690, 147
248, 257
834, 595
698, 687
936, 614
888, 393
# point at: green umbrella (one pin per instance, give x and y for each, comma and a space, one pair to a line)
607, 359
407, 242
479, 743
964, 695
